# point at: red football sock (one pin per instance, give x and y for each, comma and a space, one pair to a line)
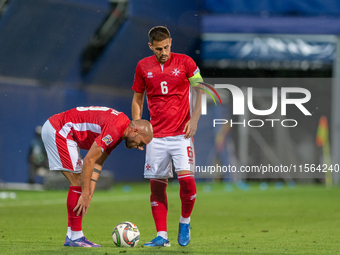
74, 221
187, 193
159, 203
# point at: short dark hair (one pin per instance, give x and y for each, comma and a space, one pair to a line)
158, 34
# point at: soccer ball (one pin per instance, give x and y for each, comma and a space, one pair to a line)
126, 234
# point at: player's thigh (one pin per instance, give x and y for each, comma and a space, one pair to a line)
182, 152
157, 160
74, 178
63, 154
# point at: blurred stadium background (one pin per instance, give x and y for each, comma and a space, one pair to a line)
60, 54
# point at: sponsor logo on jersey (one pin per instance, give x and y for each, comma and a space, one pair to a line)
176, 72
107, 139
150, 75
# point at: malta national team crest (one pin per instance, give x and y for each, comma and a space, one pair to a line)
107, 139
176, 72
79, 162
148, 167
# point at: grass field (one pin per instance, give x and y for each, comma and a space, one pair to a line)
300, 220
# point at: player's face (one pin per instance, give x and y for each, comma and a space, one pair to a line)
161, 50
136, 141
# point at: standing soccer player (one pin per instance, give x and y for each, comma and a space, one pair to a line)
166, 78
98, 130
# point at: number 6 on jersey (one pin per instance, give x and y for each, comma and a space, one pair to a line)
164, 87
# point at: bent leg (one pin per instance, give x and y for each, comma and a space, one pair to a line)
74, 192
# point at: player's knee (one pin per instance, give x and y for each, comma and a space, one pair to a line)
158, 187
183, 172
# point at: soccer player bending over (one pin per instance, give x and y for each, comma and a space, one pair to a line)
98, 130
166, 78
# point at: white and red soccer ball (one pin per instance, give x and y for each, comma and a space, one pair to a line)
126, 234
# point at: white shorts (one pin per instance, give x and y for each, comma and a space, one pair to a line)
162, 152
63, 154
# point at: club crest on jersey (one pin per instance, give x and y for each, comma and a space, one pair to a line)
107, 139
150, 75
175, 72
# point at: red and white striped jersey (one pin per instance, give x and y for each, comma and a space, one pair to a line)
85, 125
168, 91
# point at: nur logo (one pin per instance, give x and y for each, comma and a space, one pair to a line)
204, 97
239, 104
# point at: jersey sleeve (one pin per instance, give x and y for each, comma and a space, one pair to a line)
138, 83
191, 67
107, 140
111, 135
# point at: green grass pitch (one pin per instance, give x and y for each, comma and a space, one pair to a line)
300, 220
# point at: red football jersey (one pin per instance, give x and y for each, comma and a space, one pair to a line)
167, 90
85, 125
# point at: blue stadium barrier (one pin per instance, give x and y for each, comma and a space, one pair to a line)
23, 107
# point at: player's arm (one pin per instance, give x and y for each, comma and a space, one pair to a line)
137, 105
191, 126
90, 160
98, 167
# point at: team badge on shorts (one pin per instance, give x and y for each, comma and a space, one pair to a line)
147, 167
107, 139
